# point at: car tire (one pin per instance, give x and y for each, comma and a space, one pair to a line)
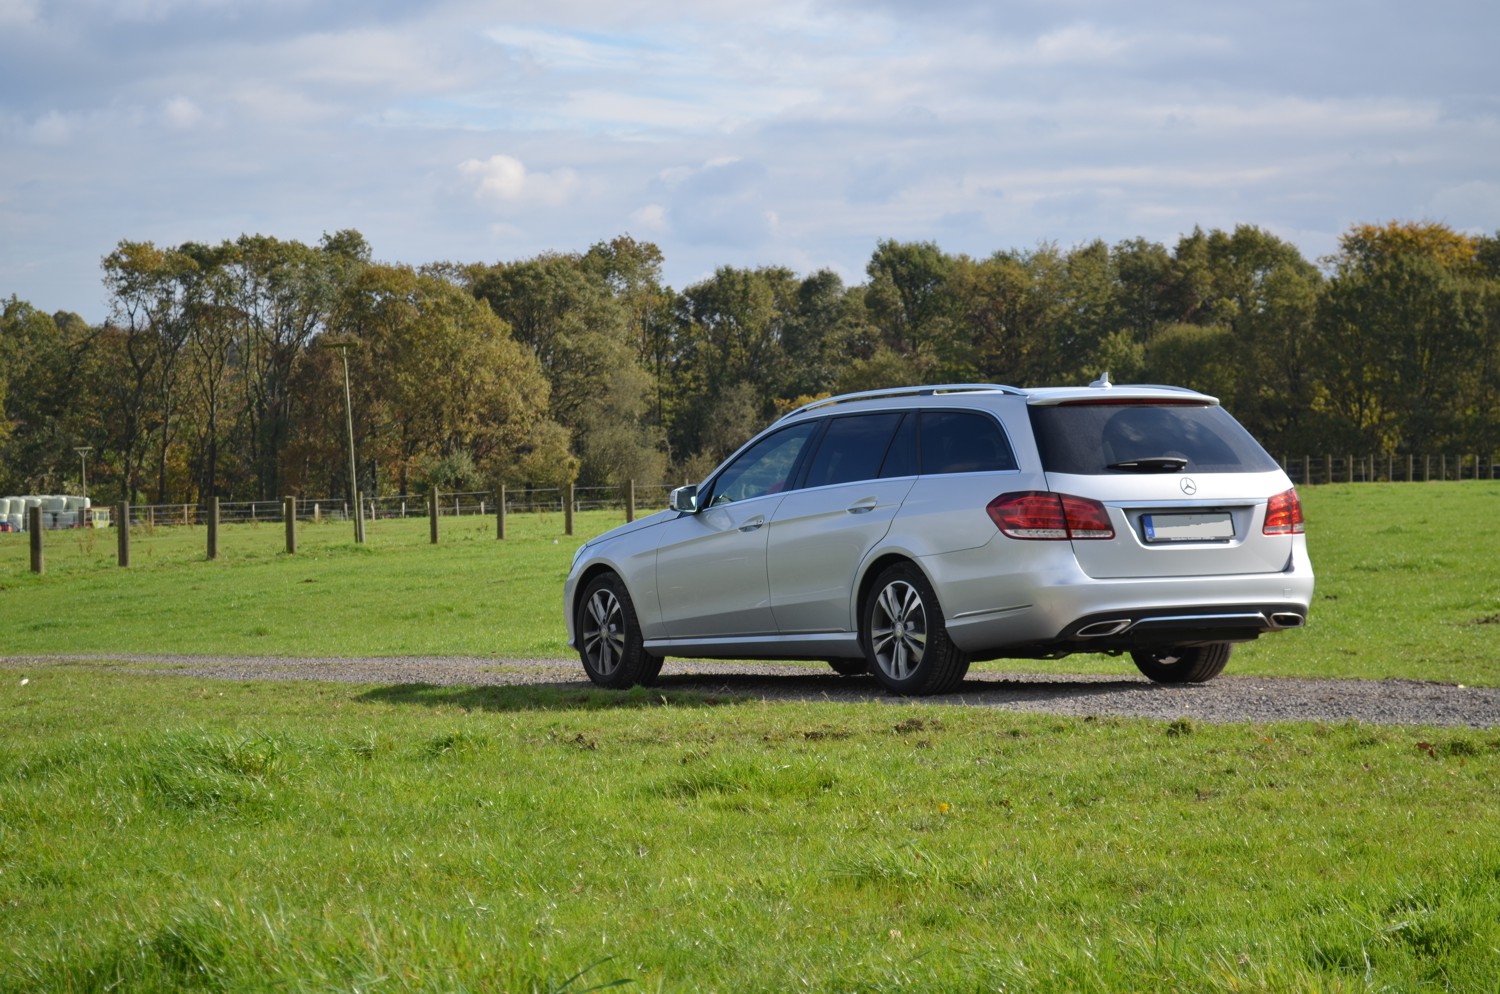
906, 641
1183, 664
609, 636
845, 666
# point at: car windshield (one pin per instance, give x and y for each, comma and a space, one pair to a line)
1095, 439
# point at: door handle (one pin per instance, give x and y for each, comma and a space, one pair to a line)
753, 523
864, 506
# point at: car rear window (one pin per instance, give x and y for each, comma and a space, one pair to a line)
1097, 439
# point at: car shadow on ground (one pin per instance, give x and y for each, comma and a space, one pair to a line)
539, 697
710, 689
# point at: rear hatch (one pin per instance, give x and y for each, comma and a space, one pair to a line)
1187, 489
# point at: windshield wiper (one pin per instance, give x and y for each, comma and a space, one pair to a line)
1153, 464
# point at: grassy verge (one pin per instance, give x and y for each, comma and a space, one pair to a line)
1407, 587
172, 834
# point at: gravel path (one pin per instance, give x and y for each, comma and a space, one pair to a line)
1228, 698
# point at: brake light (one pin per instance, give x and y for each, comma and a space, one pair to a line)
1284, 514
1037, 515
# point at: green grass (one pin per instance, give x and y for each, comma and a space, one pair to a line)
1407, 587
165, 834
397, 594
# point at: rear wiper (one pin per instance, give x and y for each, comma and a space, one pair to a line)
1154, 464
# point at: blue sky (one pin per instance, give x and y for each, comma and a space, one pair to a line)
729, 133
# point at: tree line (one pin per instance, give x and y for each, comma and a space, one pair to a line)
218, 370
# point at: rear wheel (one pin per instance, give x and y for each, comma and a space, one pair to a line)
904, 636
1183, 664
609, 636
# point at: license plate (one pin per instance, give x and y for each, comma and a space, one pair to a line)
1210, 527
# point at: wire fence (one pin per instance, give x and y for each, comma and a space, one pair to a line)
1306, 470
1390, 467
539, 500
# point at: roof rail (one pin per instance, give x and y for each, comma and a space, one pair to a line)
927, 391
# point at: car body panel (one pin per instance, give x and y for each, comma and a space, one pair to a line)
818, 540
711, 570
1132, 499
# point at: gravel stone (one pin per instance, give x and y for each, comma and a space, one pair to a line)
1226, 699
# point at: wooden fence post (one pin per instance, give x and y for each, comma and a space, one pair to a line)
289, 515
500, 513
568, 512
34, 525
122, 538
630, 503
432, 515
213, 528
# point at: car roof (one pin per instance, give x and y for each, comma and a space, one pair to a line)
1100, 391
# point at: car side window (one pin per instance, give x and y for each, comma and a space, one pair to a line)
764, 468
851, 449
963, 442
901, 457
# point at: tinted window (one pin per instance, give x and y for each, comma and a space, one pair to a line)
1089, 439
961, 442
765, 467
901, 457
852, 449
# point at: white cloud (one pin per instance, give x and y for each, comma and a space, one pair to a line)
565, 49
181, 113
52, 128
650, 218
17, 13
505, 179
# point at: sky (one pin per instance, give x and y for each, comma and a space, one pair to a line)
797, 133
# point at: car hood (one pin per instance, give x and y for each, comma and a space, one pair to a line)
640, 524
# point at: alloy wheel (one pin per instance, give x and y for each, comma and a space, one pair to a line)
898, 630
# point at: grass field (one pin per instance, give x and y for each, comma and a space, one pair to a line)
1408, 586
175, 834
165, 834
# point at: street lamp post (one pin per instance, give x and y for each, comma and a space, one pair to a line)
359, 517
83, 459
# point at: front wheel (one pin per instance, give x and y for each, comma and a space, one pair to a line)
905, 639
1183, 664
609, 636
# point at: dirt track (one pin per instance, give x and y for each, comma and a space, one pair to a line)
1117, 691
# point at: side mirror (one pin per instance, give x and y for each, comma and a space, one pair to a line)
684, 499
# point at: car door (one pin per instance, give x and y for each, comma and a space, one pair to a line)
711, 564
823, 530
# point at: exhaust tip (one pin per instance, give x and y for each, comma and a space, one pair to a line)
1286, 619
1103, 629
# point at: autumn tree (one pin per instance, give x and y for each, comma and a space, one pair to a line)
564, 309
439, 380
1402, 327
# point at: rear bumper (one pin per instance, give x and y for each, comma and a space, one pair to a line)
1178, 627
1051, 607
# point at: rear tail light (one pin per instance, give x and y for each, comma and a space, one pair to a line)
1284, 514
1040, 516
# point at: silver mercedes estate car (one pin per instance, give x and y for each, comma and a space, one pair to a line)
908, 532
